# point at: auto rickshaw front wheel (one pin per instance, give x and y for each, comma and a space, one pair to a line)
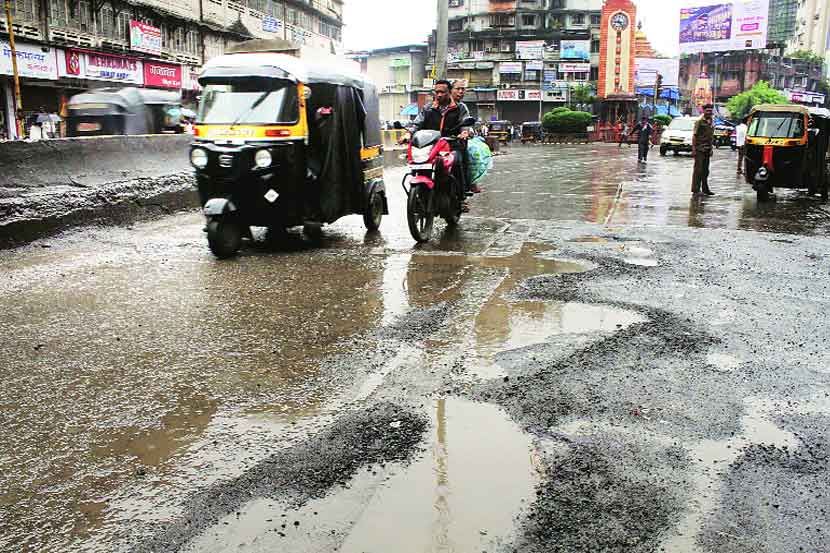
224, 237
374, 211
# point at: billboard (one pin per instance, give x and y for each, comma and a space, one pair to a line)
145, 38
575, 50
722, 27
36, 61
519, 95
647, 69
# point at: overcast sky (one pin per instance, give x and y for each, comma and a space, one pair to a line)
382, 23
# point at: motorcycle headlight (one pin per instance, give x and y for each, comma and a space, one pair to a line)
263, 159
421, 155
199, 158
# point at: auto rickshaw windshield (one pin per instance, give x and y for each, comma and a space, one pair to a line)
777, 124
249, 101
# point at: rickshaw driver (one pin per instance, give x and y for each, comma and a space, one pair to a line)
444, 115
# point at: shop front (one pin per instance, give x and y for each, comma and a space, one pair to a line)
519, 105
37, 69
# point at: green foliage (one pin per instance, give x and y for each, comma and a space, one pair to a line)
663, 119
582, 94
561, 109
563, 120
808, 56
739, 106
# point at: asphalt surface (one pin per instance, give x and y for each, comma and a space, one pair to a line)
594, 361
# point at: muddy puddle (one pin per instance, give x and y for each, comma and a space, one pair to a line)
503, 326
442, 503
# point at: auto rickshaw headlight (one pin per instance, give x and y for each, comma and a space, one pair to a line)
199, 158
263, 159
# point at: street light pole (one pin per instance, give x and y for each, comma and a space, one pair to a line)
18, 102
441, 40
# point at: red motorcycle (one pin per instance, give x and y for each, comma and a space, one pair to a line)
434, 184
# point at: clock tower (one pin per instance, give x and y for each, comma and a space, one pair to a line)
617, 45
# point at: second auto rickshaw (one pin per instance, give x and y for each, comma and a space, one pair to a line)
787, 147
283, 142
502, 130
531, 131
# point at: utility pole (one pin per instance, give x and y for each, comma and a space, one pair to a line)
284, 20
441, 40
18, 101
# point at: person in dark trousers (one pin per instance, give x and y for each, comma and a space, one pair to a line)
702, 139
643, 132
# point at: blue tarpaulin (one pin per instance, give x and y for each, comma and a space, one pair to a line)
410, 110
665, 93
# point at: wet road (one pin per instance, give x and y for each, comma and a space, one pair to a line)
592, 362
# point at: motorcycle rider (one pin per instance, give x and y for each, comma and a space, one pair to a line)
445, 115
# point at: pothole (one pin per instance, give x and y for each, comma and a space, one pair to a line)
463, 495
503, 326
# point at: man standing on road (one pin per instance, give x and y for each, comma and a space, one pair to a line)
702, 139
740, 142
643, 130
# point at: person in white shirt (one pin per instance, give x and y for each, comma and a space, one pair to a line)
740, 141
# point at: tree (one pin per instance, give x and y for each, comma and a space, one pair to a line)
739, 106
808, 56
582, 94
663, 119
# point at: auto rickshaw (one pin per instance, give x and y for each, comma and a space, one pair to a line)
787, 147
502, 130
531, 132
283, 142
119, 111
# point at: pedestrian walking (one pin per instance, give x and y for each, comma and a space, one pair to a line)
626, 130
702, 139
643, 131
740, 142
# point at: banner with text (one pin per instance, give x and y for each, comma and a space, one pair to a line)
519, 95
647, 69
530, 49
724, 27
145, 38
162, 75
575, 50
100, 67
39, 62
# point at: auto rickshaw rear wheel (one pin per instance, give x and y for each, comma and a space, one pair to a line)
224, 238
374, 211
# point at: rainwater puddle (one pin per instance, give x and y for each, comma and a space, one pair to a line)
463, 495
712, 458
639, 256
503, 326
478, 473
723, 362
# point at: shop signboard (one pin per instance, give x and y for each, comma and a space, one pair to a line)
38, 62
804, 97
145, 38
575, 50
739, 25
100, 67
530, 49
162, 75
533, 66
510, 67
519, 95
647, 69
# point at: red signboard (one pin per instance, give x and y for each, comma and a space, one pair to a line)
162, 75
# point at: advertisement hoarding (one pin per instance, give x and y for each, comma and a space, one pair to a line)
575, 50
722, 27
39, 62
574, 68
162, 75
530, 49
647, 69
804, 97
145, 38
510, 67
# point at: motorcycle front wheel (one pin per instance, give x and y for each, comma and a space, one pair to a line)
418, 214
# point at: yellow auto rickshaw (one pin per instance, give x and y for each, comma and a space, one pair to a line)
283, 142
787, 147
503, 130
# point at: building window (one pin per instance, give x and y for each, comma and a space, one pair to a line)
578, 19
24, 10
502, 20
456, 25
596, 20
557, 4
511, 77
477, 46
528, 21
595, 46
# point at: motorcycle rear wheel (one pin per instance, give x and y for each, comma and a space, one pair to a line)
417, 214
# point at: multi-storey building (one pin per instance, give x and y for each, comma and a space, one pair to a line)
399, 74
66, 46
812, 31
521, 57
782, 17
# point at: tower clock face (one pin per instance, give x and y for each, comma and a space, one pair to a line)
619, 21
